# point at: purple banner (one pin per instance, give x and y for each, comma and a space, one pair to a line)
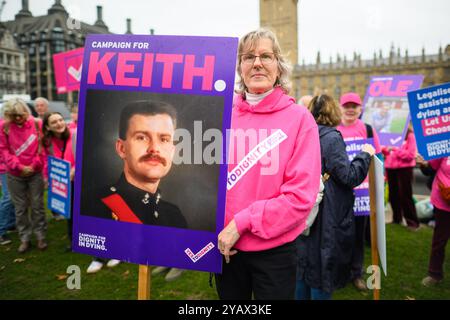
386, 107
151, 163
362, 199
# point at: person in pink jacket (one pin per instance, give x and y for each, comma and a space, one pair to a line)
273, 176
441, 211
399, 164
59, 142
22, 152
7, 213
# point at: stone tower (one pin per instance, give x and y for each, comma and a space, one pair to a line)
281, 17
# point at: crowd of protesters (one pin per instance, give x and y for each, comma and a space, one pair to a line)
267, 253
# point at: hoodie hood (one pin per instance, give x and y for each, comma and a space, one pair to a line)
275, 101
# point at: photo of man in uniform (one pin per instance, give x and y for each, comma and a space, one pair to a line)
146, 147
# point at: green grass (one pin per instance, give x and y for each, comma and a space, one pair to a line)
37, 276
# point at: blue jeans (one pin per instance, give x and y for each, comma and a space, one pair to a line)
304, 292
7, 213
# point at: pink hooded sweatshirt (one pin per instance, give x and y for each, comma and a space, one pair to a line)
403, 157
2, 163
270, 194
56, 150
19, 148
442, 167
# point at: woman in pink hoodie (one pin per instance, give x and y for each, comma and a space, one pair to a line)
440, 199
273, 176
59, 142
23, 155
399, 164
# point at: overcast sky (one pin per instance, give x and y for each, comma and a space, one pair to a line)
331, 26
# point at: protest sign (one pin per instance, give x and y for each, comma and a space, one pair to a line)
59, 191
151, 162
377, 226
362, 201
385, 106
430, 114
68, 66
381, 224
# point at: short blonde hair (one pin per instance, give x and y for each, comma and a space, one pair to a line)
325, 110
14, 106
284, 67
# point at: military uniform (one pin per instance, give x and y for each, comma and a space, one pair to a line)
127, 203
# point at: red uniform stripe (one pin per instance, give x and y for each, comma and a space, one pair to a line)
120, 208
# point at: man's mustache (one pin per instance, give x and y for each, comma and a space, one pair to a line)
153, 157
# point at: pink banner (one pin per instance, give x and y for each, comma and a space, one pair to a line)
68, 70
436, 125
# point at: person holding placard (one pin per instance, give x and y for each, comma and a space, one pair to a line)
60, 142
273, 178
325, 255
352, 128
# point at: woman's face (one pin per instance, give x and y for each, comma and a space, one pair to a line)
350, 113
56, 124
20, 117
259, 67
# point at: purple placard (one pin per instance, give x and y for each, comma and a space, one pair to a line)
361, 206
386, 107
196, 76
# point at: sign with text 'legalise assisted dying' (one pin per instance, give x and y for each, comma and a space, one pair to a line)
430, 113
59, 192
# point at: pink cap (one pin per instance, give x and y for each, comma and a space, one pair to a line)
350, 97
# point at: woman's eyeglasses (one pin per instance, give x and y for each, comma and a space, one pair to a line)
18, 115
265, 58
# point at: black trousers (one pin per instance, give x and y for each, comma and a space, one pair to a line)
358, 248
441, 235
267, 275
400, 196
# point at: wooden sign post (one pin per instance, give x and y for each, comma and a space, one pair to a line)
373, 225
144, 282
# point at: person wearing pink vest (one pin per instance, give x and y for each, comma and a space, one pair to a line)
60, 142
274, 170
399, 163
441, 211
353, 128
23, 155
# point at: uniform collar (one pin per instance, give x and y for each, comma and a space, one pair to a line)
136, 195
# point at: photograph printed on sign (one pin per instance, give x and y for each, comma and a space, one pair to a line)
386, 107
386, 114
159, 154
